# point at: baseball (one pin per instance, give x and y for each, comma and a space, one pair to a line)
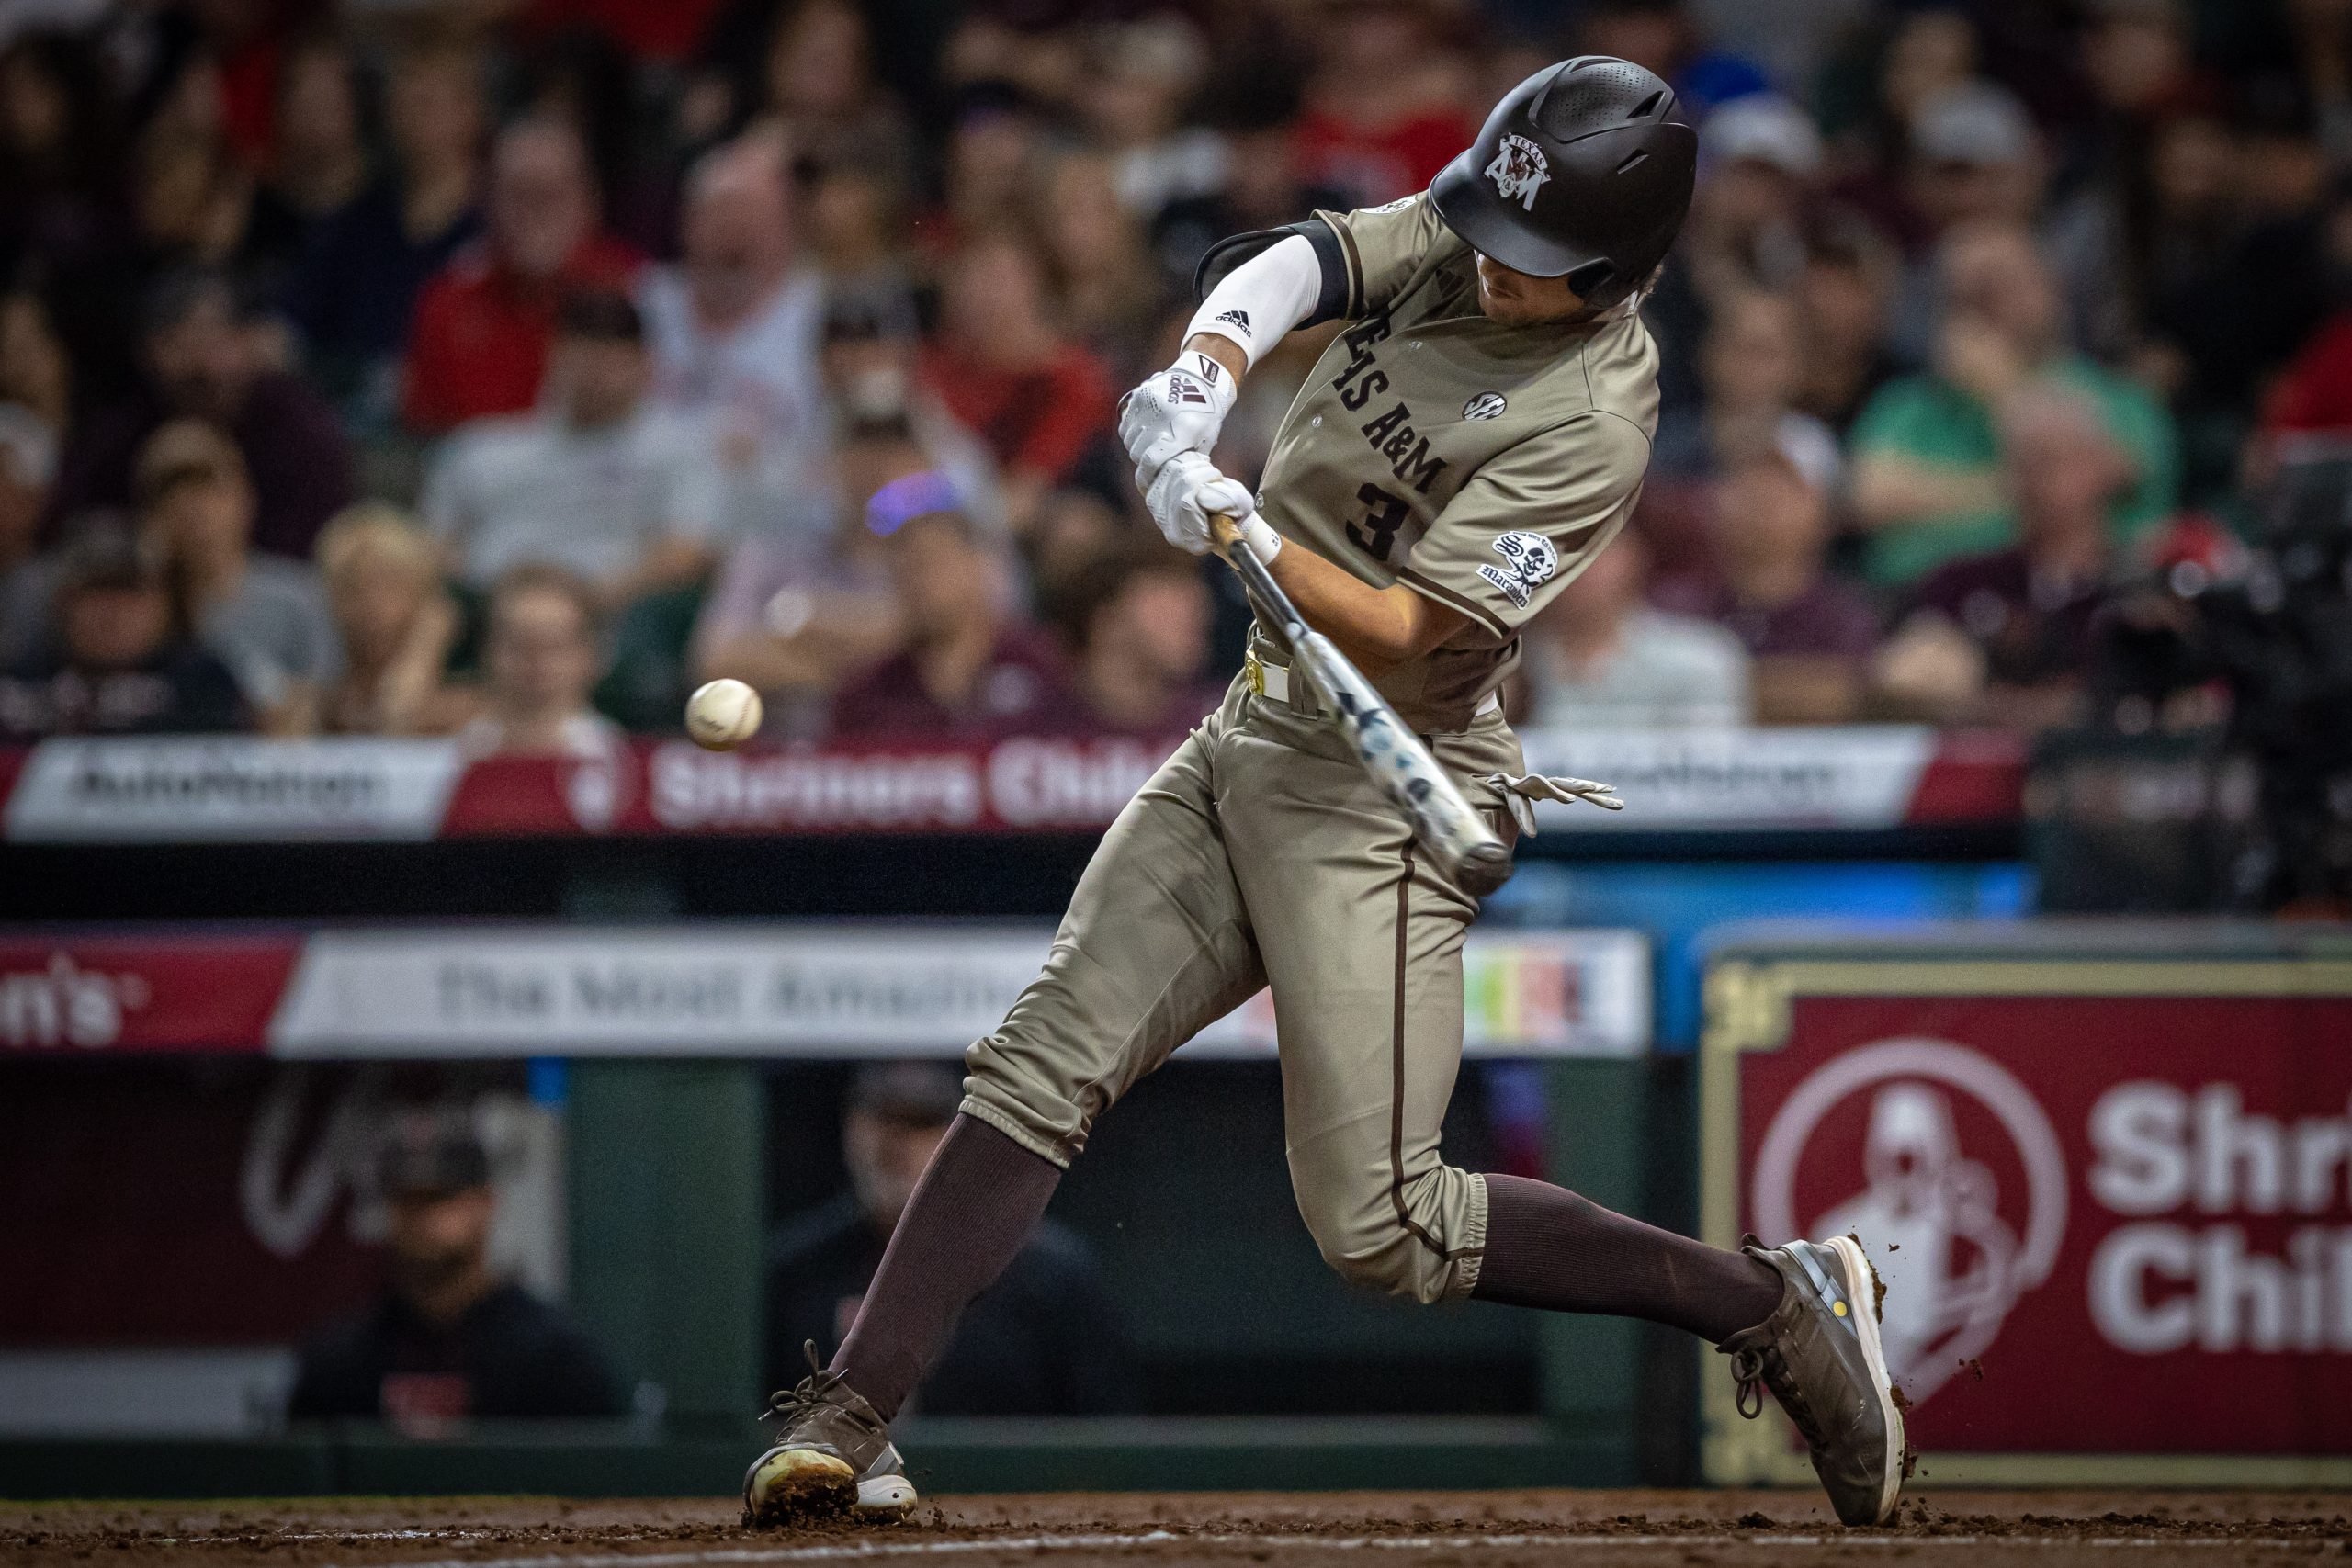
722, 715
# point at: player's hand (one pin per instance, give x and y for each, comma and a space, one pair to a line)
1182, 494
1178, 410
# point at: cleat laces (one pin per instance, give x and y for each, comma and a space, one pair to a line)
811, 1393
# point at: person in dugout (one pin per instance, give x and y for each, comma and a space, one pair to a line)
449, 1342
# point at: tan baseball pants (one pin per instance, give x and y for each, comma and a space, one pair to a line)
1261, 854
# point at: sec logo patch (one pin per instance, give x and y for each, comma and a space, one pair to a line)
1486, 405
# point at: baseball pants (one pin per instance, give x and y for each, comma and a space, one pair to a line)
1262, 854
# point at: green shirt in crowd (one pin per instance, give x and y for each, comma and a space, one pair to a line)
1932, 422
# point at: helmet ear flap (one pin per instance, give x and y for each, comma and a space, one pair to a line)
1592, 278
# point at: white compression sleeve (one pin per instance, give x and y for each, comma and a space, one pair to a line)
1261, 300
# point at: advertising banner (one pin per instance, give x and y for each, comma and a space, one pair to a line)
245, 789
2110, 1197
720, 989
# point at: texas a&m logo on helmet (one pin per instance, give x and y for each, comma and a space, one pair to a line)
1519, 170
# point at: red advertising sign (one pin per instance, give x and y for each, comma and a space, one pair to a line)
171, 993
2109, 1224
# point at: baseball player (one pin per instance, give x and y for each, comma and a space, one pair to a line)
1475, 435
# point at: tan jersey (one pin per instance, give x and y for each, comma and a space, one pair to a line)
1482, 466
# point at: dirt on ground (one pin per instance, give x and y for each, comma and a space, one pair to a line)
1455, 1529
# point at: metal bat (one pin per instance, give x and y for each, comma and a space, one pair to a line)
1453, 834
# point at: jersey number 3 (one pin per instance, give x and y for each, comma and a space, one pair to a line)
1375, 534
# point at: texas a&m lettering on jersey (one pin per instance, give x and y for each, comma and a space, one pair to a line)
1479, 465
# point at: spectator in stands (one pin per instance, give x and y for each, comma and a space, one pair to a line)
598, 482
1140, 80
1045, 1340
27, 462
192, 196
819, 90
36, 372
1843, 293
61, 155
541, 657
1808, 635
1263, 188
1111, 302
1138, 621
993, 147
1762, 158
1974, 160
396, 626
970, 668
1927, 481
1601, 659
449, 1342
734, 329
264, 616
792, 615
354, 291
1750, 370
857, 231
319, 161
887, 422
1383, 110
2007, 637
1004, 370
204, 361
119, 660
485, 323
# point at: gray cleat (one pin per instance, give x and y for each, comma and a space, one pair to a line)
1819, 1354
833, 1457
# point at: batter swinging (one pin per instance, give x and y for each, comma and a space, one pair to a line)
1463, 449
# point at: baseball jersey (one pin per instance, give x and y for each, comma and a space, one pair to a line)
1480, 464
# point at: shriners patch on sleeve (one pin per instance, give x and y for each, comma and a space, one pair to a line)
1529, 562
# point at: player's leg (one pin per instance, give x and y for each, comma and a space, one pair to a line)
1361, 942
1155, 944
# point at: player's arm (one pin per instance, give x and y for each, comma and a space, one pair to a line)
1258, 304
1377, 629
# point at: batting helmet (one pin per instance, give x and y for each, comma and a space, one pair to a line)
1582, 171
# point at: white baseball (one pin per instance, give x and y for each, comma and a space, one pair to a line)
722, 715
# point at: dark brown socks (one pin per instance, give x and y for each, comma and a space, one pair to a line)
970, 1216
1547, 1248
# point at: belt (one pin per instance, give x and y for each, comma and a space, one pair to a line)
1272, 681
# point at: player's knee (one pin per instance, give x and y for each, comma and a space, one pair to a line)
1367, 1243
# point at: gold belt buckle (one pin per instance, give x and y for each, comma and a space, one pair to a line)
1255, 670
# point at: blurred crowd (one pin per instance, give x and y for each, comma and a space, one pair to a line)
503, 369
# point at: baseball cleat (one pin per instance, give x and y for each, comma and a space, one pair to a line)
833, 1458
1819, 1354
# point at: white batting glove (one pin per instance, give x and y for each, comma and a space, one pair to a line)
1178, 410
1180, 496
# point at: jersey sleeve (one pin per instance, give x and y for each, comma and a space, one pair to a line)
1382, 245
1529, 520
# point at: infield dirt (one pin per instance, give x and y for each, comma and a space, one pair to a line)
1460, 1530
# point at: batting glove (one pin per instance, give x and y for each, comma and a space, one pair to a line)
1180, 496
1178, 410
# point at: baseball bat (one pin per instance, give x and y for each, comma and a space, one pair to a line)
1445, 823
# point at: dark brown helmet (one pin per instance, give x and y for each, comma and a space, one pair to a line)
1583, 171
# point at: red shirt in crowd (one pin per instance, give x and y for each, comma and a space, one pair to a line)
1379, 164
667, 31
1036, 420
2316, 391
1021, 690
480, 342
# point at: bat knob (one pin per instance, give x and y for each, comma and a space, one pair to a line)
1484, 868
